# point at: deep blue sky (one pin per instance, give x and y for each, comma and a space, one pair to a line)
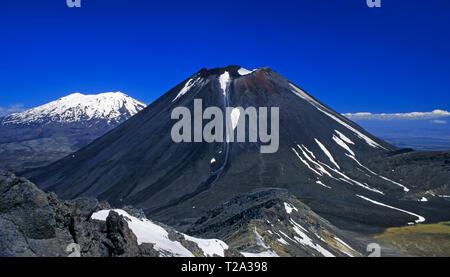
392, 59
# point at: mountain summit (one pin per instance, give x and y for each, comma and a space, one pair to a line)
108, 107
41, 135
324, 159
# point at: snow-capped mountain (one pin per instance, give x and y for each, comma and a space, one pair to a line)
44, 134
109, 107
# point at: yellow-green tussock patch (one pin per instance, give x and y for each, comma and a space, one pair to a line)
419, 240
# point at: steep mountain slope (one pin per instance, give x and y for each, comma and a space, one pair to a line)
322, 159
44, 134
423, 170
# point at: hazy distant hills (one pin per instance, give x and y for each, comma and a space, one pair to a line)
419, 134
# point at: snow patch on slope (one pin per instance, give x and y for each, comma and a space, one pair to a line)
242, 71
320, 170
307, 241
148, 232
322, 184
300, 93
224, 79
419, 217
282, 241
344, 138
306, 163
325, 150
210, 247
260, 240
189, 84
289, 208
395, 183
346, 246
368, 140
374, 173
342, 144
311, 159
349, 180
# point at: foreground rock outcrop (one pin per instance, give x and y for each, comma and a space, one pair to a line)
37, 224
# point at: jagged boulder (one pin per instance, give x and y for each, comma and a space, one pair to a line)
24, 205
122, 238
33, 223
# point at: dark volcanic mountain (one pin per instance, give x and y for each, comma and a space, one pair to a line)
42, 135
323, 159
